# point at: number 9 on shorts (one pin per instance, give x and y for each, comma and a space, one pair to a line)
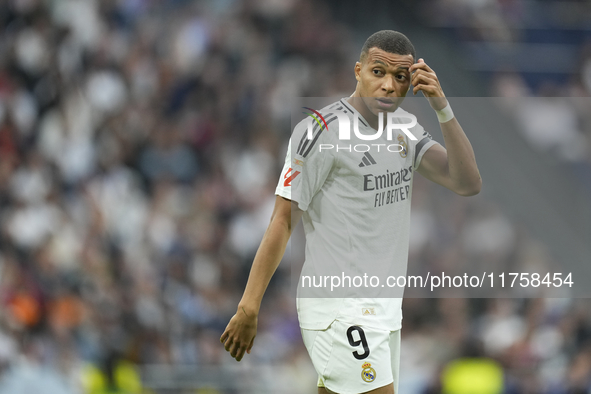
352, 359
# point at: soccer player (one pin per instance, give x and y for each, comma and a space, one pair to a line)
355, 208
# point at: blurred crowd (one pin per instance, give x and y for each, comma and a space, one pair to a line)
140, 146
530, 49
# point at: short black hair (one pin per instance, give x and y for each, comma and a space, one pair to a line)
390, 41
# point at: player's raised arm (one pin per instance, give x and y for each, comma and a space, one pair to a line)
454, 166
238, 337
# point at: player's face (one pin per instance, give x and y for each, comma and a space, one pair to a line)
384, 79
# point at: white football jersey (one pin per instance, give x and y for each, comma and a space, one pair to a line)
356, 197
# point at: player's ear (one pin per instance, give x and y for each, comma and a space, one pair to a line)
357, 71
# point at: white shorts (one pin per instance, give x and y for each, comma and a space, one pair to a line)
351, 359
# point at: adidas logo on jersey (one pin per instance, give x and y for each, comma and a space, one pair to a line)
368, 311
367, 160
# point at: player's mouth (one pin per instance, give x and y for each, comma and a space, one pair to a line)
385, 103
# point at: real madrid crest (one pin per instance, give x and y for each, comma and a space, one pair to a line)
368, 374
402, 144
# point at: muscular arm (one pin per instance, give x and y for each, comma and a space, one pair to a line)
238, 336
455, 167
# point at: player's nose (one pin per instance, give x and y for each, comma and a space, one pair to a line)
388, 84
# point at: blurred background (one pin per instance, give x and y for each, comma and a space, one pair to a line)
140, 146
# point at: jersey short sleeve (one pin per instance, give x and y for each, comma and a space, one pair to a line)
307, 165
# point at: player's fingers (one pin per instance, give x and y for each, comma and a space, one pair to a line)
428, 89
423, 73
420, 66
240, 353
425, 79
228, 343
250, 346
426, 82
424, 69
234, 348
421, 87
224, 336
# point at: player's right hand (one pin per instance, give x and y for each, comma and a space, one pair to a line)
238, 337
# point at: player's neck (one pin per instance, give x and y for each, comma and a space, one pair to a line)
357, 102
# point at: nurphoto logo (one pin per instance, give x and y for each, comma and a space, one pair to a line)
402, 122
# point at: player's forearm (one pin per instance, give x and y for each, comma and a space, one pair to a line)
462, 167
265, 263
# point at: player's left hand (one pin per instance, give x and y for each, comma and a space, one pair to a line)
238, 337
425, 80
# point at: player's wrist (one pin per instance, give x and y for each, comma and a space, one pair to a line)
248, 310
445, 114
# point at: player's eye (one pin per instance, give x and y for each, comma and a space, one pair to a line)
377, 71
401, 77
